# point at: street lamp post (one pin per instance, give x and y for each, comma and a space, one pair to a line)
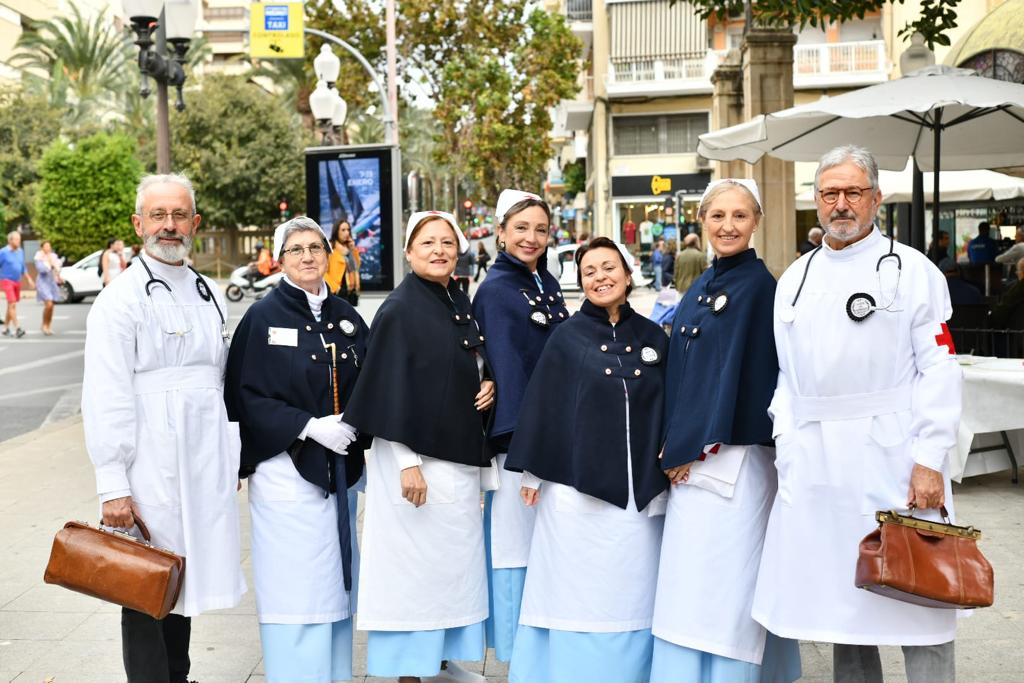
326, 103
157, 23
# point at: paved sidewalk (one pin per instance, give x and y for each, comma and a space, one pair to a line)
50, 634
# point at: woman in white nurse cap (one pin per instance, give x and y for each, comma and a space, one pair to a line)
426, 401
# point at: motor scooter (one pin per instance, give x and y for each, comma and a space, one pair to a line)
241, 285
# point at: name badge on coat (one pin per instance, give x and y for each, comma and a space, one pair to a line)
283, 336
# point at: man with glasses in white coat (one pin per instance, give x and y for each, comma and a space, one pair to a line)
865, 411
155, 424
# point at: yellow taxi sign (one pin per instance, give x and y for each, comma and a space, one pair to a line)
275, 30
659, 185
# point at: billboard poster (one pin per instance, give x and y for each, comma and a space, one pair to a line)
355, 184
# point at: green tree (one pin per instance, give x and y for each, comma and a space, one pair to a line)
80, 64
937, 18
493, 68
87, 193
243, 151
28, 124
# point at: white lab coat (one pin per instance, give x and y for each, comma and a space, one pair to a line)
422, 568
857, 405
156, 427
710, 555
511, 521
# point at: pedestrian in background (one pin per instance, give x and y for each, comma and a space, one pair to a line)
812, 242
156, 428
12, 269
690, 263
668, 263
47, 282
982, 249
113, 263
343, 263
658, 262
483, 257
464, 270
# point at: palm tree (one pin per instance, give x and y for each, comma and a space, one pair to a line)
81, 63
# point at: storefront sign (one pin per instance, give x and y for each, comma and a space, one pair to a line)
646, 185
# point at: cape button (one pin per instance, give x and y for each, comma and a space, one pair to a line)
308, 328
629, 349
540, 298
465, 342
551, 298
344, 356
604, 347
607, 371
457, 317
313, 356
481, 337
330, 326
700, 298
637, 372
469, 317
695, 331
561, 314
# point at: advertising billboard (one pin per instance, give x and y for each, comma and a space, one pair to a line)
357, 183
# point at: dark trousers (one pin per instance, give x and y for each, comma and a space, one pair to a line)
155, 651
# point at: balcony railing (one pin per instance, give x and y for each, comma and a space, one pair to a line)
854, 63
578, 10
818, 65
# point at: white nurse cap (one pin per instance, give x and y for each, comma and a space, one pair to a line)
415, 219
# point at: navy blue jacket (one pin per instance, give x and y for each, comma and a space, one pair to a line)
503, 305
572, 425
722, 368
420, 379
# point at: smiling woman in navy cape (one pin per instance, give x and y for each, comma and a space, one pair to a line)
425, 397
587, 443
721, 375
286, 389
518, 306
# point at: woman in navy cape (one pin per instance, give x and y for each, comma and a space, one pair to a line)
587, 444
518, 306
719, 455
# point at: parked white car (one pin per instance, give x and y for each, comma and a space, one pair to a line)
566, 259
81, 279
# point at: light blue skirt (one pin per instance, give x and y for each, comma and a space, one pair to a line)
353, 504
504, 596
307, 653
674, 663
551, 656
419, 653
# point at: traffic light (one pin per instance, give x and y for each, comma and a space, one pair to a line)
670, 206
468, 206
283, 206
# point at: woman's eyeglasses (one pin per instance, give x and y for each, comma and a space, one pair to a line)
314, 250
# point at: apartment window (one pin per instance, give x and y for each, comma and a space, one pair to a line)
663, 134
224, 13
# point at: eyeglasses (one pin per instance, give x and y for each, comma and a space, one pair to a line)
178, 217
853, 194
297, 251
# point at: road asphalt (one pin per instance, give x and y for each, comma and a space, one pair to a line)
48, 634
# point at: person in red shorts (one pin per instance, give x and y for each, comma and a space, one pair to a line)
12, 269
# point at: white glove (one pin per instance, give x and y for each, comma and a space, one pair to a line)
330, 432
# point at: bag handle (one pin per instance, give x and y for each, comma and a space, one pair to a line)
942, 511
143, 529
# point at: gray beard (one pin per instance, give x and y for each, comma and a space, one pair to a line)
841, 236
169, 254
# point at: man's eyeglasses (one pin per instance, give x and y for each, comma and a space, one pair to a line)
853, 194
178, 217
297, 251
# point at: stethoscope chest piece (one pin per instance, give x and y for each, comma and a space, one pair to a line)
859, 306
787, 315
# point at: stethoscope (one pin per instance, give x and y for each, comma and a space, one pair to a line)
860, 305
204, 293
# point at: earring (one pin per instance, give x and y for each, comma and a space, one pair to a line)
501, 245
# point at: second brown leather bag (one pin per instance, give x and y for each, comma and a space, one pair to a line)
116, 567
925, 563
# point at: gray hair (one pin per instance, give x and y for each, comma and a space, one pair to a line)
157, 179
11, 235
858, 156
298, 224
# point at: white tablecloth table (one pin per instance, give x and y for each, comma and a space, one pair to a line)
993, 402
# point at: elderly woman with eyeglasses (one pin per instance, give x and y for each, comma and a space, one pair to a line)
294, 360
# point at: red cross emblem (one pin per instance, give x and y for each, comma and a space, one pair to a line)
945, 339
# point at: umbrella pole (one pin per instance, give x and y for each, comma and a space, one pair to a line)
916, 237
937, 132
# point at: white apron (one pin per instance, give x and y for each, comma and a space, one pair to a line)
856, 406
156, 426
296, 556
511, 521
709, 561
422, 568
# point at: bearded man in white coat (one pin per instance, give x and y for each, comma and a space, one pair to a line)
865, 411
155, 424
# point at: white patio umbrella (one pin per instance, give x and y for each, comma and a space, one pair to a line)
975, 122
955, 186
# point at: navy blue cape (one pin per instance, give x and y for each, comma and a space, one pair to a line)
503, 305
419, 383
722, 369
572, 425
